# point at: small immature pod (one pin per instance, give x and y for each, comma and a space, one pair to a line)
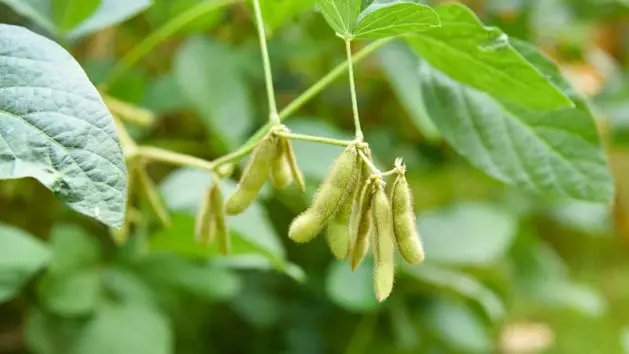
223, 241
151, 194
203, 228
298, 177
383, 246
328, 198
360, 240
337, 233
404, 228
281, 173
253, 177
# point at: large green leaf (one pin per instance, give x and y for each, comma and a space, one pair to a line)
459, 328
482, 58
387, 19
54, 127
277, 12
555, 152
21, 256
71, 293
400, 65
69, 13
213, 82
341, 15
110, 12
466, 233
37, 11
73, 249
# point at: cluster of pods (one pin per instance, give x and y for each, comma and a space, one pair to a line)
352, 207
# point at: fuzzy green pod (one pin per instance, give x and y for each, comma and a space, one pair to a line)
364, 175
383, 246
360, 239
223, 241
337, 233
151, 194
281, 173
254, 176
404, 227
298, 177
328, 198
205, 219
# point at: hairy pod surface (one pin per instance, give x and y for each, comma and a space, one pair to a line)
404, 226
298, 176
338, 232
363, 176
360, 239
383, 246
205, 219
223, 241
254, 176
281, 172
328, 198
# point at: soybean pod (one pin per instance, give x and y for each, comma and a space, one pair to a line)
404, 227
360, 239
281, 173
383, 246
223, 241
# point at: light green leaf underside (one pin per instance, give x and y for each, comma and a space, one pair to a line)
554, 152
481, 57
21, 256
341, 15
55, 128
110, 12
396, 18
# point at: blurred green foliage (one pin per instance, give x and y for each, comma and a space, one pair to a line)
507, 270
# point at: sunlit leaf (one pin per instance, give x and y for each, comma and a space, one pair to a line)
69, 13
482, 58
56, 128
341, 15
394, 18
110, 12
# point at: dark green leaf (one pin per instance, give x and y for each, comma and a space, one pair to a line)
73, 249
482, 58
394, 18
21, 256
71, 293
401, 67
163, 11
69, 13
37, 11
352, 290
110, 12
277, 12
555, 152
341, 15
55, 127
466, 233
212, 81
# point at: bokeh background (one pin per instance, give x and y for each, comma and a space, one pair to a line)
506, 271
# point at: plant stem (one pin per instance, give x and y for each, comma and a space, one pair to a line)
266, 62
316, 139
352, 88
174, 158
156, 37
373, 167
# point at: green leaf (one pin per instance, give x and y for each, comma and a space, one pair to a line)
393, 19
352, 290
400, 65
201, 279
163, 96
69, 13
37, 11
459, 327
445, 280
110, 12
126, 329
554, 152
276, 12
55, 127
341, 15
482, 58
466, 233
212, 81
71, 293
164, 10
73, 249
21, 256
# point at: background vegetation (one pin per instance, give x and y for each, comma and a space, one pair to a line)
507, 271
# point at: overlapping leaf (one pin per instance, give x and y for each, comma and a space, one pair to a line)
389, 19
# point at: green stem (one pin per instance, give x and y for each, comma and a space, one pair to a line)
266, 62
174, 158
373, 167
315, 139
352, 89
156, 37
